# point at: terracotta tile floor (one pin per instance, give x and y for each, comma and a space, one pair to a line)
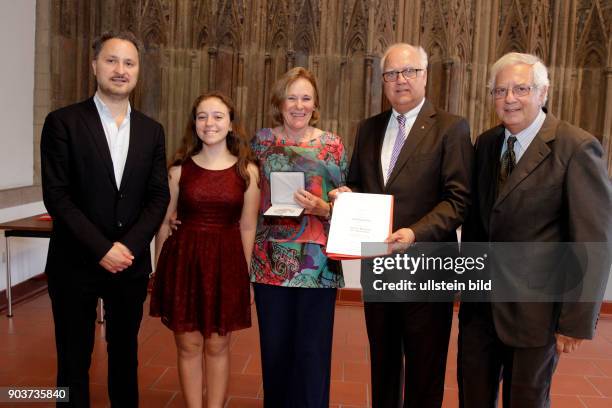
583, 380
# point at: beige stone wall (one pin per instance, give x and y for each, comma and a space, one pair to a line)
242, 46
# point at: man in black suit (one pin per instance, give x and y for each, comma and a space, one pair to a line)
537, 179
105, 184
429, 177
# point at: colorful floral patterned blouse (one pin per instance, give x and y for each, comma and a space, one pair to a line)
291, 252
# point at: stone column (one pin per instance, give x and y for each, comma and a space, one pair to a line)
315, 66
409, 22
290, 59
241, 104
558, 51
265, 95
212, 67
568, 83
447, 64
485, 31
368, 59
339, 106
607, 127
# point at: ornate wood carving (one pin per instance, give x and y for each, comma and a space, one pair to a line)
243, 46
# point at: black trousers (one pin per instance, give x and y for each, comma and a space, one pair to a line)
409, 341
74, 313
295, 331
483, 361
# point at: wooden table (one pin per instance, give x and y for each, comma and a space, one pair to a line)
31, 227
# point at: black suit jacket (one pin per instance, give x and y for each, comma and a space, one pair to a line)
431, 178
79, 191
558, 192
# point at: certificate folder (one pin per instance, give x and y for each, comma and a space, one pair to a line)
283, 185
357, 219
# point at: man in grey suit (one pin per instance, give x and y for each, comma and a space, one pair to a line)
536, 179
422, 156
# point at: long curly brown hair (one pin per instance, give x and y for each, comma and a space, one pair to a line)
236, 140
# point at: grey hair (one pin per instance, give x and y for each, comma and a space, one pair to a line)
540, 72
404, 46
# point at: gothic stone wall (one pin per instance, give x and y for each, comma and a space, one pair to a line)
242, 46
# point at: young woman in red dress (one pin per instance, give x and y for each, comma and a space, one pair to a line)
201, 289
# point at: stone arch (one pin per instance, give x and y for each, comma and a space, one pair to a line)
303, 47
203, 38
513, 32
305, 40
153, 24
356, 44
357, 28
278, 53
513, 45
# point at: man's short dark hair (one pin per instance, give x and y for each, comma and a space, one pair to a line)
108, 35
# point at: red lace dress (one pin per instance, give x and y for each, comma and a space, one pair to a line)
201, 280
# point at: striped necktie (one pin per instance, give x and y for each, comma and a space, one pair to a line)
508, 163
399, 143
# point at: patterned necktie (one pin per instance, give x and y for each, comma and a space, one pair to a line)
399, 142
508, 163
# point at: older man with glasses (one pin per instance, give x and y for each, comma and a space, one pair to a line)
423, 157
537, 179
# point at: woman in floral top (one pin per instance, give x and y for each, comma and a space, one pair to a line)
294, 281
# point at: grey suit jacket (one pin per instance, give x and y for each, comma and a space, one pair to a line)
558, 192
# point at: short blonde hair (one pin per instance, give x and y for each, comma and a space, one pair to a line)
279, 93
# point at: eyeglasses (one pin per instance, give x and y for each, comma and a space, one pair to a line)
408, 73
517, 90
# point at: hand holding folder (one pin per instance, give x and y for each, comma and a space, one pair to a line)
360, 218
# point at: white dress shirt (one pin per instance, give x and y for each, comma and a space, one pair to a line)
391, 135
118, 138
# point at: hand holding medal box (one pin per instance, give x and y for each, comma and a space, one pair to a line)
283, 185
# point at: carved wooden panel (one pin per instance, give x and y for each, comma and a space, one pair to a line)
513, 28
243, 46
591, 63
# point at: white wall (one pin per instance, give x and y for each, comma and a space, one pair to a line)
17, 42
17, 28
352, 271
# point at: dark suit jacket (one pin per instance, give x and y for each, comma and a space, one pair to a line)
79, 190
431, 178
558, 192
